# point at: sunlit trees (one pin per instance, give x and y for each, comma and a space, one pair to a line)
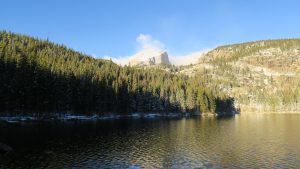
39, 76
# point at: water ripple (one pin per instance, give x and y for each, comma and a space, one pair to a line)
271, 141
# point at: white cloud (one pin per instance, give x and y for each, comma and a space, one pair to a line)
191, 58
145, 41
146, 44
122, 60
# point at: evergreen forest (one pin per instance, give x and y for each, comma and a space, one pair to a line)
39, 76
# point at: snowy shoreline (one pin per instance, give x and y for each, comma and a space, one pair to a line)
70, 117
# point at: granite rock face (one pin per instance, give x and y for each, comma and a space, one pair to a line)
148, 57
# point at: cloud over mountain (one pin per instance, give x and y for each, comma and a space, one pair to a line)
152, 51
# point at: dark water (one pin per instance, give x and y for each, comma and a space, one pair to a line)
245, 141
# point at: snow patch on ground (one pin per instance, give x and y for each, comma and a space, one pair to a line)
68, 117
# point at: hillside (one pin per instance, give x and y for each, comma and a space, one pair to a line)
261, 75
38, 76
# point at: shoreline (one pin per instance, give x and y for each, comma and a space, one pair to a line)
108, 116
72, 117
270, 112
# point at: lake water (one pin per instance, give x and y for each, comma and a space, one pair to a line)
244, 141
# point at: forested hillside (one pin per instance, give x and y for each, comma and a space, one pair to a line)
39, 76
261, 75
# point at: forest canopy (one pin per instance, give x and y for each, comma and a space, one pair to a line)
40, 76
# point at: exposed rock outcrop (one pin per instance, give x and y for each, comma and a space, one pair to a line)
260, 76
149, 57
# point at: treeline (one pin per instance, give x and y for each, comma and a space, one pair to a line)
231, 53
39, 76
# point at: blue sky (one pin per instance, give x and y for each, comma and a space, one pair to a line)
111, 27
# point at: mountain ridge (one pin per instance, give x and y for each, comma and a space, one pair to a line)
147, 57
261, 75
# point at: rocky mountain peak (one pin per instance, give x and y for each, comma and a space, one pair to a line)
149, 57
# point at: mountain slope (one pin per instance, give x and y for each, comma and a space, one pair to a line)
40, 76
261, 75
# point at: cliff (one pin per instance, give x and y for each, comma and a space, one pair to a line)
149, 57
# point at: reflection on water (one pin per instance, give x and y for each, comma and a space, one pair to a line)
246, 141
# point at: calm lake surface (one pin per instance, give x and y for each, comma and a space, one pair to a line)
244, 141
